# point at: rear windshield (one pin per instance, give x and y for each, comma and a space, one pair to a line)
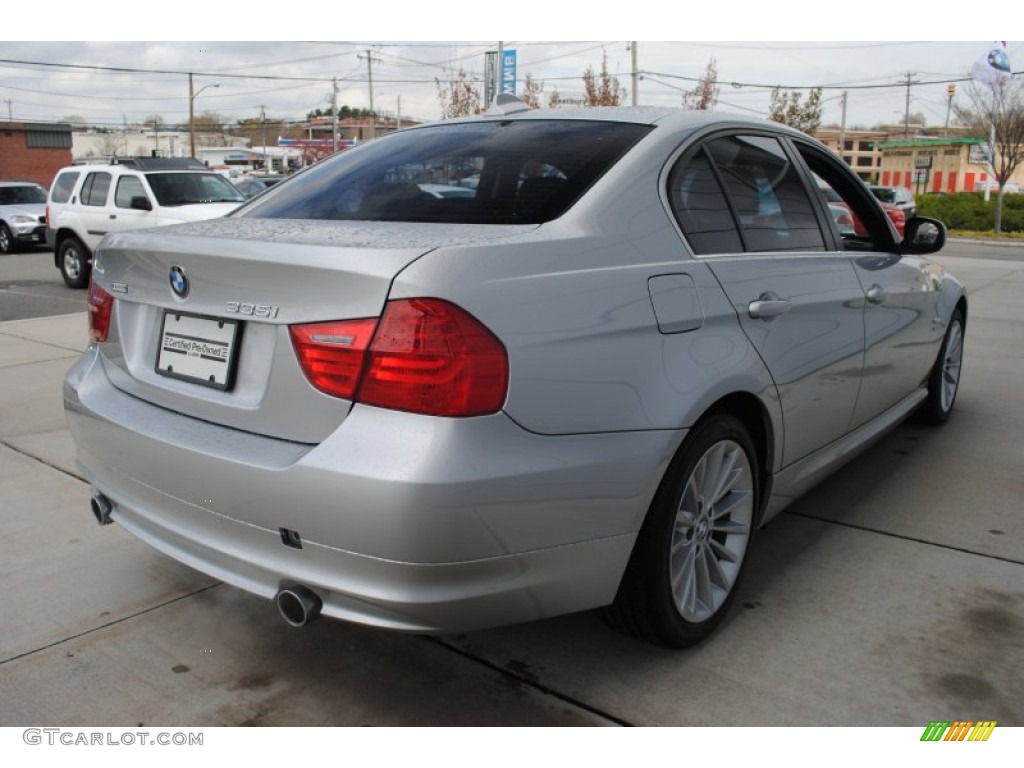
30, 193
488, 172
191, 188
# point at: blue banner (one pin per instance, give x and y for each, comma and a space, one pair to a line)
508, 72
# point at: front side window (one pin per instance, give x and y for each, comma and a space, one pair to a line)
486, 172
742, 193
127, 188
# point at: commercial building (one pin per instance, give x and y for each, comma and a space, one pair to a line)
34, 151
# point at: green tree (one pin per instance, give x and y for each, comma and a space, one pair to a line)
787, 108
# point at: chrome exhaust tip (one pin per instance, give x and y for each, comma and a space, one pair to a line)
298, 605
101, 508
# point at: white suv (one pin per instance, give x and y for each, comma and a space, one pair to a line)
88, 201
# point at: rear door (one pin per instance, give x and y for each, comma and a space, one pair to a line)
742, 202
95, 214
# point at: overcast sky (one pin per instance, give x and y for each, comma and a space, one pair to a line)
242, 70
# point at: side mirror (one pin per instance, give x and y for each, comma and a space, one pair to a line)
922, 235
141, 203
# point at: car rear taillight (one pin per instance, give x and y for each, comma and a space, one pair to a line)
332, 354
101, 304
426, 356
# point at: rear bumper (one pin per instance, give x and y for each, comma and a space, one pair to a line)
407, 522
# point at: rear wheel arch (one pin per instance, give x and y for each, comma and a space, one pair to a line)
749, 409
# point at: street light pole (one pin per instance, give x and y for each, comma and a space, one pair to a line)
192, 95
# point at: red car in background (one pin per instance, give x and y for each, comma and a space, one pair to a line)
896, 215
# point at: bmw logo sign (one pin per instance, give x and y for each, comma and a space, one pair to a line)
179, 282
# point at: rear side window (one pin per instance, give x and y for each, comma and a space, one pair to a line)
487, 172
95, 189
742, 193
64, 186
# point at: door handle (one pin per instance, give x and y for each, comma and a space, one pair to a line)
113, 215
876, 294
768, 306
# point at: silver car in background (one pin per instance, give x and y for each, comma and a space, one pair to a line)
587, 384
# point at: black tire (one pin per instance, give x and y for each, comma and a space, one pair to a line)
7, 244
74, 262
669, 593
944, 380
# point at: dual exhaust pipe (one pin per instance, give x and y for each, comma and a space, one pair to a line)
298, 605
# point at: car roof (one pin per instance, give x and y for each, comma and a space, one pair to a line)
20, 184
674, 118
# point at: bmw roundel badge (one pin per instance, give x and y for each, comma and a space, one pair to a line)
179, 282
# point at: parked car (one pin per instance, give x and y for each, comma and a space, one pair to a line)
22, 215
88, 201
857, 229
367, 402
901, 197
250, 186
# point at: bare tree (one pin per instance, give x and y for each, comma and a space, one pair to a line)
111, 144
998, 110
458, 96
532, 90
705, 95
554, 98
787, 109
604, 89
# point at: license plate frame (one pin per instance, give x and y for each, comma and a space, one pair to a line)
204, 349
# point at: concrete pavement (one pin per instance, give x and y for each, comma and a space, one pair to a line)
893, 594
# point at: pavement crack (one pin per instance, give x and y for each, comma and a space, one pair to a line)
41, 460
904, 537
112, 623
529, 681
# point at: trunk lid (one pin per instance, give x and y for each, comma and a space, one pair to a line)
257, 277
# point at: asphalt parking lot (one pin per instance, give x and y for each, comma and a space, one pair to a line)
893, 594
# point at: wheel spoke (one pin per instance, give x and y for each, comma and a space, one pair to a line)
728, 504
704, 591
728, 475
715, 572
730, 527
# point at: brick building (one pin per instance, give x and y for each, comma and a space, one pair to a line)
33, 151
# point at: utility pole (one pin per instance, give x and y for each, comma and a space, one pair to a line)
906, 111
334, 114
398, 116
369, 74
950, 92
498, 70
191, 118
636, 75
124, 123
263, 133
842, 130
